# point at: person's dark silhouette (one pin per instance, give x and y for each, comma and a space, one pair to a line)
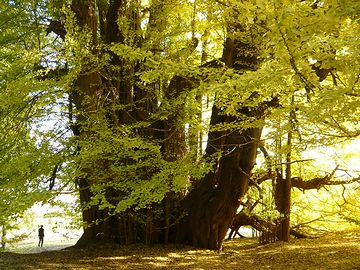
41, 236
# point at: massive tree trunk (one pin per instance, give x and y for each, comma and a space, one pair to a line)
98, 96
212, 204
86, 89
206, 213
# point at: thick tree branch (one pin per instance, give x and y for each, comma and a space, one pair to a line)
244, 219
315, 183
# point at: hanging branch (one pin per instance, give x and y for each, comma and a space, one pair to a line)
308, 85
348, 133
53, 176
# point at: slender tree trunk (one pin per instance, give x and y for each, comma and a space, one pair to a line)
286, 196
284, 193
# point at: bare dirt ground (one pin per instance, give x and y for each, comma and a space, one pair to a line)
323, 253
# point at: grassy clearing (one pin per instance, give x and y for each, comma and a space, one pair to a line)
322, 253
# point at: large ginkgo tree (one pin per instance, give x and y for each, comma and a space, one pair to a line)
161, 105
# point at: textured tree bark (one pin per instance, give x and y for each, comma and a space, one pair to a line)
87, 86
96, 95
102, 95
212, 204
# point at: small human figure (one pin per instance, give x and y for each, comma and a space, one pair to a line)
41, 236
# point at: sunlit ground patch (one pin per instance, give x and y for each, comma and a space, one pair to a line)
334, 252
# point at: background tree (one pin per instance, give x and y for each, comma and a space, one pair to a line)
28, 149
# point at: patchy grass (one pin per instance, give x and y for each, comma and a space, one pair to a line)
323, 253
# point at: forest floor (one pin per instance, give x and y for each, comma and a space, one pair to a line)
322, 253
